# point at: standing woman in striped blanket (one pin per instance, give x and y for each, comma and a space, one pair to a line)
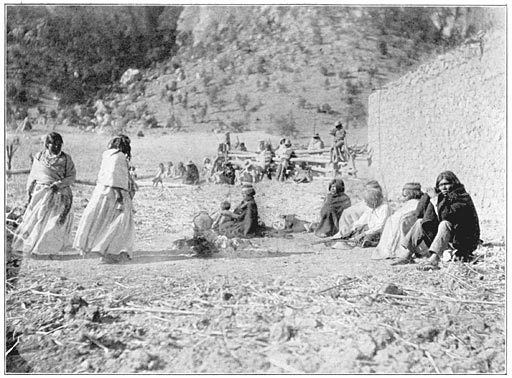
107, 226
46, 225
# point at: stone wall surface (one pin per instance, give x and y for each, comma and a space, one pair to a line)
450, 114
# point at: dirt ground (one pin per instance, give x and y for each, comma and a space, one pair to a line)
265, 305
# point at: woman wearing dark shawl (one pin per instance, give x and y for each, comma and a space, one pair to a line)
450, 222
245, 223
46, 225
334, 204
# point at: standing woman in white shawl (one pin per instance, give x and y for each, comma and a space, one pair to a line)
46, 225
107, 226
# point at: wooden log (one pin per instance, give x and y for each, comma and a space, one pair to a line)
85, 182
17, 172
311, 160
312, 152
242, 154
144, 184
323, 170
329, 169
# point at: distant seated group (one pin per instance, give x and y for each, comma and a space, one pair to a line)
188, 172
441, 223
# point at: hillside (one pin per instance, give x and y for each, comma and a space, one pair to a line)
288, 70
255, 68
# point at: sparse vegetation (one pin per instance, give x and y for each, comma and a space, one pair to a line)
284, 125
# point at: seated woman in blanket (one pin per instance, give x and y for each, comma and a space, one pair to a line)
353, 213
400, 222
245, 217
450, 223
335, 203
46, 225
366, 231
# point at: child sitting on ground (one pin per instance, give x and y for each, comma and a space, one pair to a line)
223, 215
169, 172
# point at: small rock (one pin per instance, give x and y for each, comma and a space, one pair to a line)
227, 296
426, 334
392, 289
281, 331
85, 365
366, 346
288, 312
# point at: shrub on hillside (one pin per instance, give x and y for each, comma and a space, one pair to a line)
383, 47
213, 93
324, 108
242, 101
91, 46
284, 125
237, 126
323, 70
223, 62
281, 87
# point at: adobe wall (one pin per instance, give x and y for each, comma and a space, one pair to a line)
450, 114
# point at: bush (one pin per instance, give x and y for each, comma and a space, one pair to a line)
284, 125
237, 126
213, 93
223, 63
281, 88
242, 101
383, 48
301, 102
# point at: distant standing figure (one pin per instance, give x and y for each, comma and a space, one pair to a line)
207, 167
158, 179
285, 164
265, 159
191, 174
107, 226
338, 146
46, 225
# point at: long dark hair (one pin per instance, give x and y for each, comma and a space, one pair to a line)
338, 184
53, 137
121, 143
450, 176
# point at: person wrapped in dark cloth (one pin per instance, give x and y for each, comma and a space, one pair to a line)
335, 202
245, 217
450, 223
191, 174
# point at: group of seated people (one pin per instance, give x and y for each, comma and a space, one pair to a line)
440, 223
269, 162
188, 172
